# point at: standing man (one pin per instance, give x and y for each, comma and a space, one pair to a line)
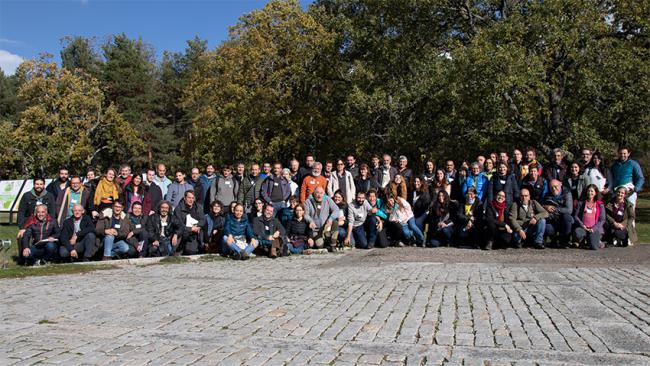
60, 183
627, 173
312, 181
176, 190
250, 188
404, 170
225, 187
73, 195
153, 190
352, 166
161, 179
275, 189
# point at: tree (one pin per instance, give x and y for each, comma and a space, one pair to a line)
260, 94
64, 123
175, 75
80, 53
129, 80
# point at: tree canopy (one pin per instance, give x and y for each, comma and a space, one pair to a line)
427, 79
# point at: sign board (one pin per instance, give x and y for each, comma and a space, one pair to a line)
9, 192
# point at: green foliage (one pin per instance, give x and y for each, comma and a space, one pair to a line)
80, 53
64, 122
428, 79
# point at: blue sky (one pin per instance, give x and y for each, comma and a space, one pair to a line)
28, 27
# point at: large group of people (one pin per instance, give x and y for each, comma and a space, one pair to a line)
496, 201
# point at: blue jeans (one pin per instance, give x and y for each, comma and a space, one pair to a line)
421, 221
296, 249
277, 206
441, 237
359, 233
47, 251
112, 248
235, 249
411, 230
537, 230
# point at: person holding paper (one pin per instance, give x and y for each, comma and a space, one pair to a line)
43, 233
191, 218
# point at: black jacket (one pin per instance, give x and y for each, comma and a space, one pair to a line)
261, 223
180, 214
153, 227
86, 227
27, 206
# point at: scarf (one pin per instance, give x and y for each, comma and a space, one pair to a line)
106, 192
500, 208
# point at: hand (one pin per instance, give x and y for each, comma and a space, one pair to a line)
129, 235
533, 221
254, 242
346, 240
95, 214
230, 240
550, 209
73, 239
74, 254
441, 225
469, 225
155, 243
270, 238
619, 226
20, 234
522, 234
276, 235
151, 212
508, 229
310, 242
51, 239
380, 225
341, 221
195, 229
174, 240
374, 210
328, 227
139, 248
26, 252
312, 225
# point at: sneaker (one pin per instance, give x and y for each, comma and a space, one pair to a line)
236, 256
106, 258
400, 244
244, 256
488, 245
519, 245
539, 246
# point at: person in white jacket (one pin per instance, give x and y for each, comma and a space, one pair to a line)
343, 180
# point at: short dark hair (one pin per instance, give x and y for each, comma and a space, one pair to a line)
39, 178
188, 192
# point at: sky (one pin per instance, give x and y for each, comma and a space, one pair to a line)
28, 27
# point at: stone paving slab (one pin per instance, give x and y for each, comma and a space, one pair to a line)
310, 310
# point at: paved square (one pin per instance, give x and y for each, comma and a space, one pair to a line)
406, 306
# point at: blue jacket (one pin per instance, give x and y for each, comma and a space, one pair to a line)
479, 182
627, 172
236, 227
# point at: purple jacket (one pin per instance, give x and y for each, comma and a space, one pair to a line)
267, 188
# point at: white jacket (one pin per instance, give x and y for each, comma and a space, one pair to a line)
349, 191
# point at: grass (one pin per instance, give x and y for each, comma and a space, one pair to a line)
643, 218
16, 271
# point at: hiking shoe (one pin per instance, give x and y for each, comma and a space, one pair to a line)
244, 256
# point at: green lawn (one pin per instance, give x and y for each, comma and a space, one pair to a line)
643, 218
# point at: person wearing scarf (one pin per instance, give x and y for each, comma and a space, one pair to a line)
498, 230
620, 229
106, 193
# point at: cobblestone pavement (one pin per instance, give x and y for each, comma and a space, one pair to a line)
310, 310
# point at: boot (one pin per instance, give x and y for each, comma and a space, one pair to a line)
488, 245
